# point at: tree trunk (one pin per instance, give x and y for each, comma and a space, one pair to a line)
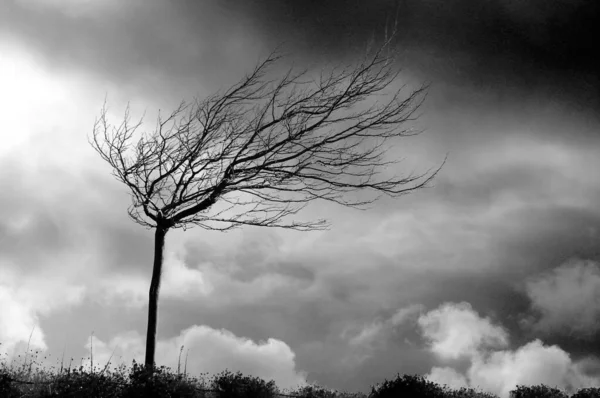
159, 245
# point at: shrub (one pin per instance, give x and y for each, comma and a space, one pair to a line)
408, 386
7, 388
231, 385
468, 393
314, 392
158, 384
537, 392
77, 383
592, 392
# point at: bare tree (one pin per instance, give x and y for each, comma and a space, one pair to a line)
263, 149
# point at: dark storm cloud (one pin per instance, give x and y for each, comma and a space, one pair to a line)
151, 45
493, 45
517, 60
540, 239
499, 45
556, 34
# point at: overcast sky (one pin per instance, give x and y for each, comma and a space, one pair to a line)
488, 279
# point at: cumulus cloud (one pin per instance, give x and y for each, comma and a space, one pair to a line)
209, 350
568, 299
183, 282
456, 330
531, 364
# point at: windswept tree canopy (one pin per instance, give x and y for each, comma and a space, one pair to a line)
267, 147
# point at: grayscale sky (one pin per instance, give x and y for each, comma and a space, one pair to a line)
488, 279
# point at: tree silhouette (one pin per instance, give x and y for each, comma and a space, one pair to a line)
263, 149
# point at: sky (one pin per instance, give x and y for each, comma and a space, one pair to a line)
488, 279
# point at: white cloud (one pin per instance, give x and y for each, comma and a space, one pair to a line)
568, 299
183, 282
455, 330
25, 89
49, 293
532, 364
46, 117
178, 282
18, 321
209, 351
23, 299
75, 8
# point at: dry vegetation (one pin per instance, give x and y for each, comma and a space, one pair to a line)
33, 381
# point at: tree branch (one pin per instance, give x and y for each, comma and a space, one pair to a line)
280, 142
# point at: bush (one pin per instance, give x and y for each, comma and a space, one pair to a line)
537, 392
231, 385
314, 392
7, 388
78, 383
159, 384
592, 392
408, 386
468, 393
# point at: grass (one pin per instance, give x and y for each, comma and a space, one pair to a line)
31, 380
